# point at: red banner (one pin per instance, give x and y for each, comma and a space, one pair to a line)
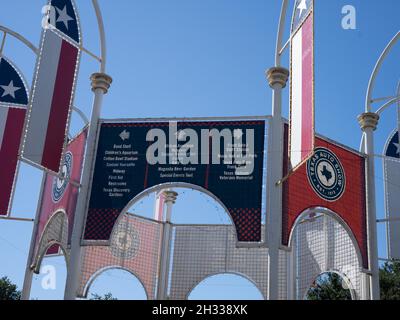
62, 194
333, 178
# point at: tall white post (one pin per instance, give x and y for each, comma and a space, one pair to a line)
277, 78
162, 289
369, 122
26, 289
100, 86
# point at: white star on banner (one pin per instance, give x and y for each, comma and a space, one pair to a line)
398, 147
9, 90
63, 16
302, 6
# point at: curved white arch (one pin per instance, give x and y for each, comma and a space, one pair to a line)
244, 276
334, 216
174, 185
97, 273
344, 277
40, 254
376, 70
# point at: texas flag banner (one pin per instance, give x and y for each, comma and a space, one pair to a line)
391, 165
302, 134
61, 194
53, 88
13, 102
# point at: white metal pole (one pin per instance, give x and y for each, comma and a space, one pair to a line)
100, 85
369, 122
26, 289
162, 289
277, 78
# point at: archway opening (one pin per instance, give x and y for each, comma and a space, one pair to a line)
191, 207
49, 284
116, 284
329, 286
226, 287
326, 256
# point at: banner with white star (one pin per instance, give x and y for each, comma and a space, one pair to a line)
302, 128
53, 88
13, 102
391, 164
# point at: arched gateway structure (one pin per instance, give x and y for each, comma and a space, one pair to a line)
323, 218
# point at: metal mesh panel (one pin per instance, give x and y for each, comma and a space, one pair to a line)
135, 247
203, 251
283, 279
322, 245
56, 230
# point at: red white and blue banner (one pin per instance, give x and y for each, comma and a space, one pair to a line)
391, 165
53, 88
302, 132
61, 194
13, 102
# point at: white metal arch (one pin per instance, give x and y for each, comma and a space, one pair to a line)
333, 215
211, 275
164, 186
344, 277
97, 273
41, 252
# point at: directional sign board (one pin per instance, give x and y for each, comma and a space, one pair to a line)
221, 158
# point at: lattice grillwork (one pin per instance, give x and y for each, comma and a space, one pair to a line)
56, 231
203, 251
322, 245
135, 247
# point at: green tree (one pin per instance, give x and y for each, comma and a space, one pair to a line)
8, 290
390, 280
328, 286
107, 296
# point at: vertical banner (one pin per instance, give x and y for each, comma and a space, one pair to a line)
391, 165
62, 194
302, 132
53, 88
13, 102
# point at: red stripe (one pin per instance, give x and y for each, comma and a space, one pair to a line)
9, 155
58, 119
307, 138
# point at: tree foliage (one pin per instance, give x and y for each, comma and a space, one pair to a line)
329, 286
107, 296
390, 280
8, 290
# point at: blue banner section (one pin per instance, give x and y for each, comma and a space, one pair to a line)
223, 158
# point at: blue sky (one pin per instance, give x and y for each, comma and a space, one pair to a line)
183, 58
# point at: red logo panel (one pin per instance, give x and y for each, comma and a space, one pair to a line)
298, 196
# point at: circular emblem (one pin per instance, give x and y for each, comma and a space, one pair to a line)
125, 242
326, 174
60, 184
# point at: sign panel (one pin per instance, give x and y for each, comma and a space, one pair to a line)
54, 88
224, 158
391, 165
13, 102
302, 134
